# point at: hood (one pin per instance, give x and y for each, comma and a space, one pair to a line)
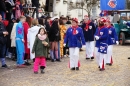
34, 29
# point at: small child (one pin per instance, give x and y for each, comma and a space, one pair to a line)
40, 47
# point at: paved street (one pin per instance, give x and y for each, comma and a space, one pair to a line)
58, 73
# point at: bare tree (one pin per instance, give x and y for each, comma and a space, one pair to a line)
86, 5
128, 4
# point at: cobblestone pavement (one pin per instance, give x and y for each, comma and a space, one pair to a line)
58, 73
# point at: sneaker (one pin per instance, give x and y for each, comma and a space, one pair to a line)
5, 66
42, 71
35, 72
52, 60
72, 68
77, 68
21, 66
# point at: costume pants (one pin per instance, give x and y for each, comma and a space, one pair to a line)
102, 60
109, 54
97, 55
74, 57
89, 49
20, 52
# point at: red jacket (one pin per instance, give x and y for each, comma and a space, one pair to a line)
26, 27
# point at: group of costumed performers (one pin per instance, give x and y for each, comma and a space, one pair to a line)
105, 36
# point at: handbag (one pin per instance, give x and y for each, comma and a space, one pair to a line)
103, 48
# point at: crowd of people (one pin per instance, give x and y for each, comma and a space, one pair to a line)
25, 38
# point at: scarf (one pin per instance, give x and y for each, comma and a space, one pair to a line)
87, 25
109, 27
74, 29
100, 29
42, 37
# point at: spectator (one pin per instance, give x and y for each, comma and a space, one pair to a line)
32, 32
40, 48
3, 35
9, 7
54, 38
20, 42
35, 3
2, 9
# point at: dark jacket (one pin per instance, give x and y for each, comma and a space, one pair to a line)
47, 26
39, 49
9, 30
3, 39
54, 34
89, 35
2, 6
35, 3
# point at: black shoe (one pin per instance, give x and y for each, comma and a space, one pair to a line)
73, 68
48, 59
98, 66
81, 49
92, 57
77, 68
42, 71
101, 69
14, 59
5, 66
27, 63
35, 72
87, 58
128, 57
52, 60
58, 60
109, 64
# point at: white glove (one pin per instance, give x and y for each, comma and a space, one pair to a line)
96, 37
117, 42
64, 45
124, 22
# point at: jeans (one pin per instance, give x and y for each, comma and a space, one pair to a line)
37, 13
2, 14
2, 53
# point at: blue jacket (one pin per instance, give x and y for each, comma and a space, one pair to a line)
89, 35
128, 24
73, 39
112, 38
20, 31
103, 36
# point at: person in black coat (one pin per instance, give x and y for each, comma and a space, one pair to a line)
35, 3
9, 7
2, 9
9, 30
89, 30
54, 38
3, 40
47, 24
